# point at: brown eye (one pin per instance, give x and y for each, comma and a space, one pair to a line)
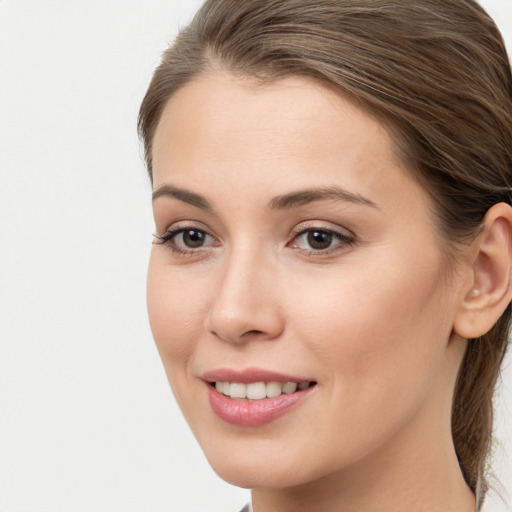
192, 238
183, 240
319, 240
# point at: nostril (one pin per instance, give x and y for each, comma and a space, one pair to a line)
253, 332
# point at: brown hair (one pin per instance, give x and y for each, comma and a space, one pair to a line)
434, 71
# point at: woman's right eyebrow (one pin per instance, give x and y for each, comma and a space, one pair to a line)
184, 195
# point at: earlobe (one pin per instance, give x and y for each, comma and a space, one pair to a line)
490, 289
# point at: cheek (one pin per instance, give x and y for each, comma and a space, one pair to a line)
174, 309
378, 332
379, 342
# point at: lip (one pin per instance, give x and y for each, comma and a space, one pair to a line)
249, 375
252, 413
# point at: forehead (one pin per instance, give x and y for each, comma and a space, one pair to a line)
220, 118
220, 130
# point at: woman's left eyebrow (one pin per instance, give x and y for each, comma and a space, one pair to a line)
306, 196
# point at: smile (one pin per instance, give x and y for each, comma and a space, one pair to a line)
254, 398
259, 390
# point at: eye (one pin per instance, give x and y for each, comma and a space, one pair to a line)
185, 239
320, 240
192, 238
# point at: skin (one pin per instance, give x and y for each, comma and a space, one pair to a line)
371, 320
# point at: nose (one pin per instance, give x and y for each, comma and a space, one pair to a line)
245, 305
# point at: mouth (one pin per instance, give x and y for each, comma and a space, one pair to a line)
255, 397
259, 390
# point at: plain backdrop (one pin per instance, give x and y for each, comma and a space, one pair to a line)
87, 422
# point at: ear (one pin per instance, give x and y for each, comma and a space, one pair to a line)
489, 289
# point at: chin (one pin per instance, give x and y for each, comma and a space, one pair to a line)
254, 474
253, 467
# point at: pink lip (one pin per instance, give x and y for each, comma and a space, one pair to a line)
248, 375
251, 413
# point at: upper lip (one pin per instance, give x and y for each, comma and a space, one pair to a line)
249, 375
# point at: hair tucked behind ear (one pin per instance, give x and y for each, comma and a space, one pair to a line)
434, 71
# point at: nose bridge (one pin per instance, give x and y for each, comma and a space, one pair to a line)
246, 303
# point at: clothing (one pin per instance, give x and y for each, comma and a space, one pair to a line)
247, 508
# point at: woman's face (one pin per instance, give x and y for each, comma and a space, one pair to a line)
296, 252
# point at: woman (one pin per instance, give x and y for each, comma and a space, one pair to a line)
329, 286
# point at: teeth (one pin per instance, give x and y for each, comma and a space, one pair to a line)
256, 391
274, 389
259, 390
289, 388
237, 390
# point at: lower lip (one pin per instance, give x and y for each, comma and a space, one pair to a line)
253, 413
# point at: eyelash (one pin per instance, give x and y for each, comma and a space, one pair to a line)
344, 240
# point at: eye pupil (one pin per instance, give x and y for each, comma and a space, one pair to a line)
319, 239
193, 238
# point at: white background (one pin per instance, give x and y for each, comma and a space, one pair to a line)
87, 422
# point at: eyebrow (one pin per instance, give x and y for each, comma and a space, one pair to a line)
182, 195
282, 202
303, 197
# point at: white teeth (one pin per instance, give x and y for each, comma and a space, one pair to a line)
237, 390
274, 389
258, 390
289, 388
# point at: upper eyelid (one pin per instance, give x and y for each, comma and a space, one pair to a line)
318, 228
186, 224
321, 226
